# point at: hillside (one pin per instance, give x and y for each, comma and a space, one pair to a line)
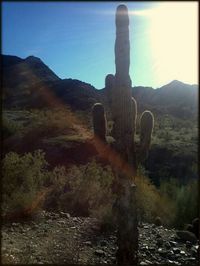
176, 98
30, 83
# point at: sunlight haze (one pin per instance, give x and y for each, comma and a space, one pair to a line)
76, 39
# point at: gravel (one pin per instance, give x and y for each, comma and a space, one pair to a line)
59, 238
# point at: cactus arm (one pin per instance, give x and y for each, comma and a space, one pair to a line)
146, 128
134, 106
99, 121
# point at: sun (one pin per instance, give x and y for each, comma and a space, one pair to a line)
173, 40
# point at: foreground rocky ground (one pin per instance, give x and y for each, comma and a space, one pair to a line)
55, 238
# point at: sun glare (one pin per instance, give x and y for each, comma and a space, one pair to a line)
173, 40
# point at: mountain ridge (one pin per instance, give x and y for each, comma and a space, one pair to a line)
25, 80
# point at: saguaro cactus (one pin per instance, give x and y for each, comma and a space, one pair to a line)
127, 231
124, 112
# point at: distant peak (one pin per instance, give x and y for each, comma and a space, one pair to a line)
33, 58
175, 81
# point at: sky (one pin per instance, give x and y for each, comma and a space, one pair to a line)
76, 39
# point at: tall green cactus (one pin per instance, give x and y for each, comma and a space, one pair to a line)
124, 113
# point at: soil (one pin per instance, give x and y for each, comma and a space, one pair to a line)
58, 238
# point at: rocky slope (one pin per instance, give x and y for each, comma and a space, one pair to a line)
59, 238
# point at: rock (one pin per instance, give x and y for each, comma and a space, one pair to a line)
188, 244
65, 215
176, 250
177, 263
182, 252
61, 222
160, 242
148, 262
158, 221
195, 224
146, 227
143, 263
153, 231
158, 235
55, 216
75, 219
188, 227
103, 243
171, 254
187, 236
99, 252
113, 259
152, 249
88, 243
167, 245
15, 224
192, 259
162, 252
73, 227
173, 243
170, 262
193, 251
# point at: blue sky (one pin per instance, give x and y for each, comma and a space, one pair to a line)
76, 40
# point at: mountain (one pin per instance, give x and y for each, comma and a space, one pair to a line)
176, 98
79, 95
30, 83
23, 79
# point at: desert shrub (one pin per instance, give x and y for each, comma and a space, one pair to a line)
184, 198
56, 180
51, 122
152, 203
88, 188
10, 127
22, 182
84, 190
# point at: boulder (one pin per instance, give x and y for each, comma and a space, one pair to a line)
187, 236
195, 224
158, 221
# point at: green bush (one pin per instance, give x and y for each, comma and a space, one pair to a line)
51, 122
10, 127
184, 198
151, 203
86, 190
23, 179
89, 187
